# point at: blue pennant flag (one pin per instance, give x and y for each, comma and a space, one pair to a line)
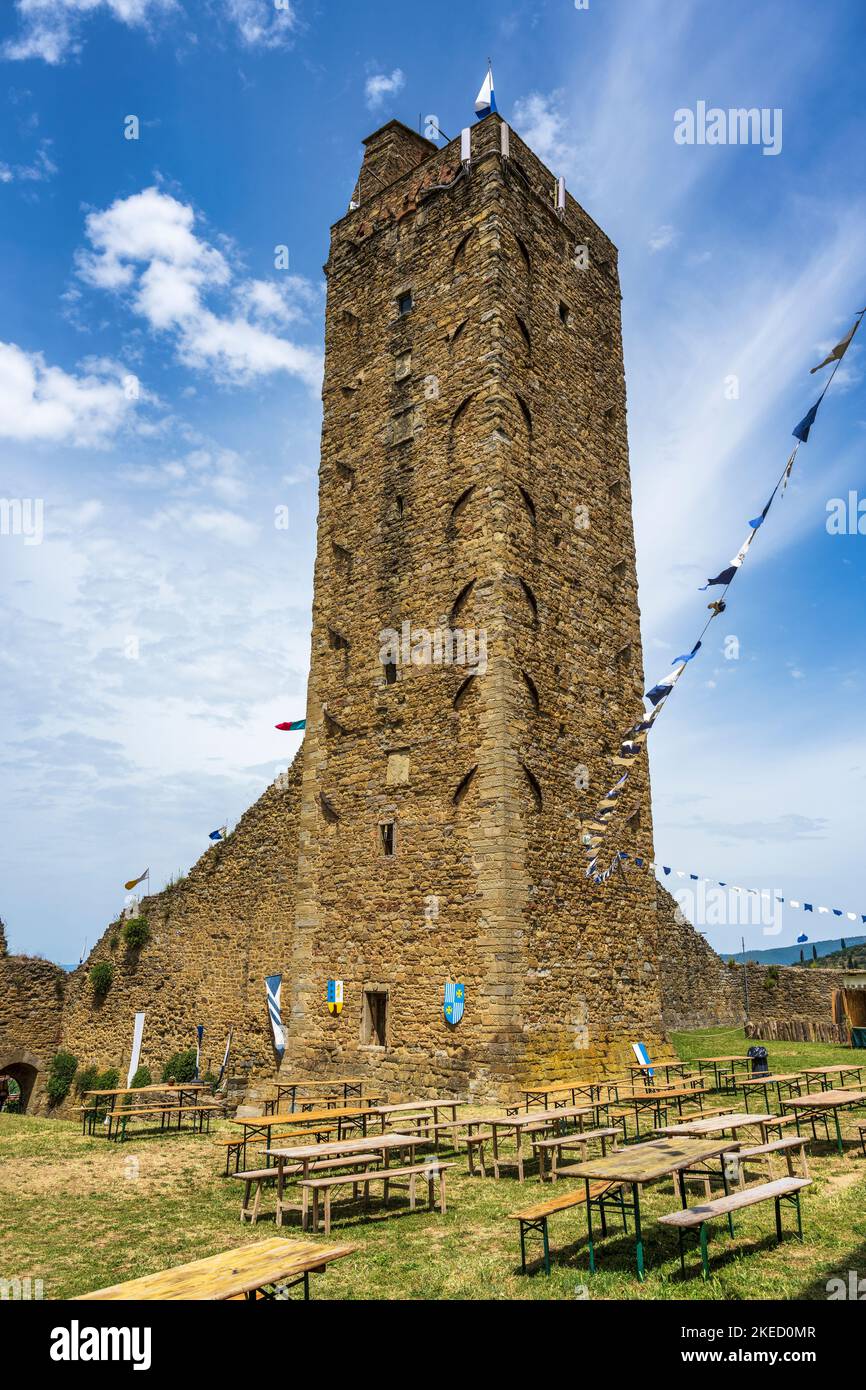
802, 430
801, 939
218, 834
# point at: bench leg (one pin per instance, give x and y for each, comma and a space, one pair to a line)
544, 1237
589, 1230
315, 1209
522, 1249
246, 1201
327, 1211
705, 1259
442, 1206
778, 1221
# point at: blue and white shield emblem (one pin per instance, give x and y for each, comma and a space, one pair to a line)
454, 995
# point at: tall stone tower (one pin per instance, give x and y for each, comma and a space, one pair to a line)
476, 647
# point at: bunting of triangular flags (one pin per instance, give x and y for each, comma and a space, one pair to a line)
595, 828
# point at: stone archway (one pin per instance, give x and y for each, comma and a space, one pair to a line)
24, 1067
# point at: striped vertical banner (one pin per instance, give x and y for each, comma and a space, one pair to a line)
199, 1034
273, 985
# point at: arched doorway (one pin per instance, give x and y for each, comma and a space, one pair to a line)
23, 1068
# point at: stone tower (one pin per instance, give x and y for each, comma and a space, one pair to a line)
476, 648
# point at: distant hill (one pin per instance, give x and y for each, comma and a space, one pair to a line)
829, 952
852, 958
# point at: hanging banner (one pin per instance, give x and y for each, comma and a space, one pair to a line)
225, 1060
199, 1034
335, 996
274, 985
137, 1033
453, 1006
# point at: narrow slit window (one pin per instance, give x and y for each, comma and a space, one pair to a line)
404, 303
387, 832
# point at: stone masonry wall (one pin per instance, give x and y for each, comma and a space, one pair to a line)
700, 989
461, 437
31, 1002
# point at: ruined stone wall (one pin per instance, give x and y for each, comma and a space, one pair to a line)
214, 937
700, 989
31, 1003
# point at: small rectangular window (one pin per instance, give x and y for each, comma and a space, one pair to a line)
374, 1018
387, 831
564, 313
390, 672
404, 302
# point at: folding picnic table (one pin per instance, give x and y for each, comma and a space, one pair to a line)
518, 1123
729, 1064
792, 1079
658, 1101
308, 1154
412, 1109
352, 1086
178, 1094
639, 1165
841, 1071
256, 1126
817, 1104
241, 1273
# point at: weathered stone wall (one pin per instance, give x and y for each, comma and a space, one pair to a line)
214, 937
31, 1003
700, 989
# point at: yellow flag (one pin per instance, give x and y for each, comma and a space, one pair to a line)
134, 882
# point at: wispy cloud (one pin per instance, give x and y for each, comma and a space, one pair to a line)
52, 30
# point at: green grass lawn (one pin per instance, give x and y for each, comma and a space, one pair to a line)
80, 1213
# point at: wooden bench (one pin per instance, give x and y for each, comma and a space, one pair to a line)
535, 1218
118, 1119
475, 1149
793, 1144
257, 1177
782, 1190
557, 1143
321, 1188
863, 1138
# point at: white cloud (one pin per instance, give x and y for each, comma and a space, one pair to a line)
41, 402
379, 86
145, 245
51, 29
662, 238
263, 23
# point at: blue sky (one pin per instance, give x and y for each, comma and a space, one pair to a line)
159, 392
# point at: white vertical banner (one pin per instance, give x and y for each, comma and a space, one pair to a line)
136, 1047
465, 144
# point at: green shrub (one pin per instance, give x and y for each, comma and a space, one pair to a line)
771, 979
180, 1067
136, 933
85, 1079
61, 1075
107, 1080
101, 976
141, 1077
